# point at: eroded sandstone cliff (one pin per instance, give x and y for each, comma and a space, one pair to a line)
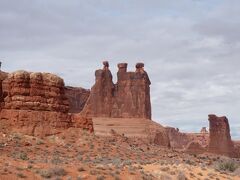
36, 104
220, 139
128, 98
77, 98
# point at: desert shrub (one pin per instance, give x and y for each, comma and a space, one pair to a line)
81, 169
165, 177
56, 160
100, 177
227, 166
39, 142
45, 174
20, 175
53, 172
58, 171
22, 156
237, 172
2, 145
93, 172
117, 177
181, 176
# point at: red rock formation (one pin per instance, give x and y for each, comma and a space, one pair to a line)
177, 139
128, 98
35, 123
35, 104
85, 123
204, 130
149, 131
3, 75
77, 98
180, 140
132, 94
237, 149
100, 100
35, 91
220, 140
195, 148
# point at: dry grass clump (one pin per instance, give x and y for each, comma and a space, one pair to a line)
53, 172
227, 166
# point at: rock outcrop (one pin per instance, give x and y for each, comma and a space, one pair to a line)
3, 75
35, 91
220, 139
204, 130
77, 98
128, 98
180, 140
195, 148
149, 131
85, 123
36, 104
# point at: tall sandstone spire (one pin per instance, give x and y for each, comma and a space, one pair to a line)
128, 98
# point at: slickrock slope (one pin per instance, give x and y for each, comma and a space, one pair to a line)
220, 140
133, 128
35, 104
128, 98
77, 98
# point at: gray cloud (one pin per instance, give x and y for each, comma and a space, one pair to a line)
190, 48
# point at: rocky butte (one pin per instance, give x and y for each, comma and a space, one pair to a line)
220, 139
128, 98
40, 104
36, 104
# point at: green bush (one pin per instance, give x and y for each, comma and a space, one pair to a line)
227, 166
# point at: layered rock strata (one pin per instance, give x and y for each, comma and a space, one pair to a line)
77, 98
220, 139
128, 98
36, 104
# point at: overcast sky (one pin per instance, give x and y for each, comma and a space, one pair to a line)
191, 49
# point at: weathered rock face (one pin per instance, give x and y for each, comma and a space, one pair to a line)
220, 140
35, 104
149, 131
3, 76
204, 130
179, 140
35, 123
101, 97
85, 123
77, 98
132, 94
128, 98
35, 91
195, 148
